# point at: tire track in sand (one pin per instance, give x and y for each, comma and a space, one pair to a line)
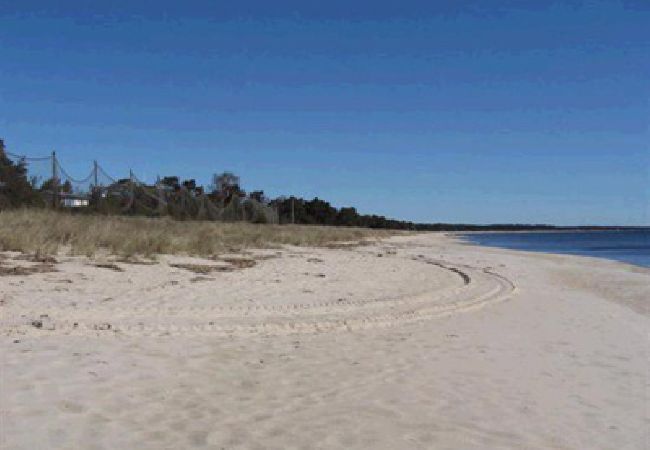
479, 287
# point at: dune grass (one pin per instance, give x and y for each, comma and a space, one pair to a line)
50, 232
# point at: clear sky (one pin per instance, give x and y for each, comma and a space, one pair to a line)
454, 111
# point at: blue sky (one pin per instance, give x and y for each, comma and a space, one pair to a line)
454, 111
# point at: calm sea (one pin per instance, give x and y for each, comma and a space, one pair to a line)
630, 246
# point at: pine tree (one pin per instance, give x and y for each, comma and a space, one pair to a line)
15, 188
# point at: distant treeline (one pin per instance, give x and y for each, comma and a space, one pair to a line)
320, 212
224, 200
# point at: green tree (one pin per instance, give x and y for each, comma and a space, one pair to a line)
15, 188
347, 217
226, 188
65, 188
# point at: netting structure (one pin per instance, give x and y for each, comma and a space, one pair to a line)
98, 191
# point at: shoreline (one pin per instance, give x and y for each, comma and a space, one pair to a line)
432, 348
553, 230
625, 259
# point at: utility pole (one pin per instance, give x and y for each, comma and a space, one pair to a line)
132, 190
95, 193
55, 182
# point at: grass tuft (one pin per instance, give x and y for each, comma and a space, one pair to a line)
47, 232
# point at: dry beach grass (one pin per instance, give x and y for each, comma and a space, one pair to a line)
48, 232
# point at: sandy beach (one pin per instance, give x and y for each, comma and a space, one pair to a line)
413, 342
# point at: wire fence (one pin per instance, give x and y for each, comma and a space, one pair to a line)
99, 191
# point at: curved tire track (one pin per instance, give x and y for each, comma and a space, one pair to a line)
480, 287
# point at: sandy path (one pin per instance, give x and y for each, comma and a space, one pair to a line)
432, 345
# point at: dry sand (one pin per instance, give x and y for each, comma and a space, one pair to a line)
415, 342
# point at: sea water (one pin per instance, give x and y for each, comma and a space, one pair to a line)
630, 246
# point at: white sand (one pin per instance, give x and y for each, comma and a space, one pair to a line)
435, 344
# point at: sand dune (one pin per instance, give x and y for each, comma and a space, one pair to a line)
416, 342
